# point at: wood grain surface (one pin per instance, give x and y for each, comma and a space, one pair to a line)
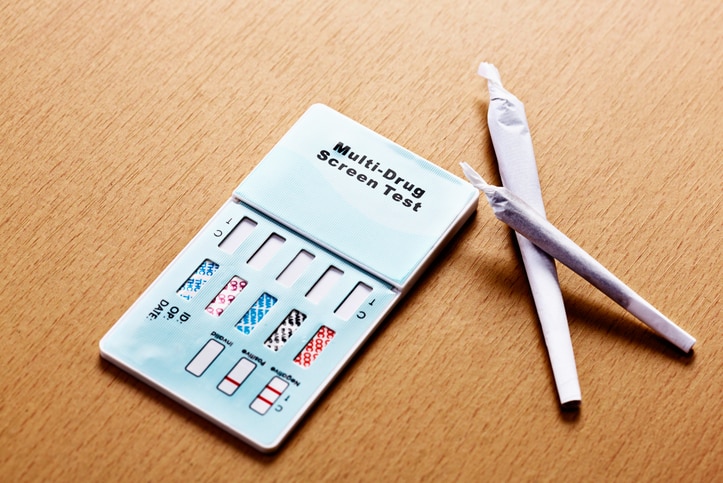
125, 125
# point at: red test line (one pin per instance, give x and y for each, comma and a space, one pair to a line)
273, 390
232, 381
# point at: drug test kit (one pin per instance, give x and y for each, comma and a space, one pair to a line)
258, 313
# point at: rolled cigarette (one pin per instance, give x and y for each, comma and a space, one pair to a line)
522, 218
512, 141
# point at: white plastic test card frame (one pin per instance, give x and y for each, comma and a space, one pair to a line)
255, 317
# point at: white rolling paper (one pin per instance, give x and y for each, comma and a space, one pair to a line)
516, 159
523, 218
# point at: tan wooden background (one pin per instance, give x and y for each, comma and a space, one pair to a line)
125, 125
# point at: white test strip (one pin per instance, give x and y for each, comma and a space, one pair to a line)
204, 358
266, 251
236, 376
238, 235
269, 395
295, 269
322, 286
353, 301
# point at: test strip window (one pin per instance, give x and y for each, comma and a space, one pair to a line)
266, 251
269, 395
256, 313
285, 330
322, 286
295, 269
204, 358
236, 376
227, 295
198, 279
313, 348
353, 301
238, 235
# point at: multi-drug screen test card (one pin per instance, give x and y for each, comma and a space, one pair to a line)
254, 318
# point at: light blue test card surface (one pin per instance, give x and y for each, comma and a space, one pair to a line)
255, 317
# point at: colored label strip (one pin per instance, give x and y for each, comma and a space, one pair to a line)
227, 295
315, 346
257, 312
285, 330
197, 280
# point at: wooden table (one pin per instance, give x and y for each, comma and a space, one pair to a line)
125, 125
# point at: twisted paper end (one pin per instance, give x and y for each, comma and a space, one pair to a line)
476, 180
490, 72
494, 82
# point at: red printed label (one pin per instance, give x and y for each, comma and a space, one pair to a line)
317, 343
